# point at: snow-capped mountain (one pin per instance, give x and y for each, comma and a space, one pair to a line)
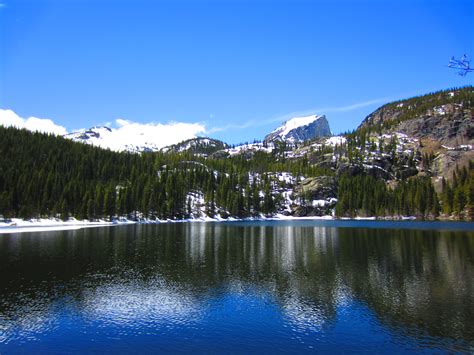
114, 139
300, 129
137, 138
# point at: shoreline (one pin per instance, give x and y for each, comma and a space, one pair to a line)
18, 225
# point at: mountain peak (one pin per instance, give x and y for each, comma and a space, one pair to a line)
299, 129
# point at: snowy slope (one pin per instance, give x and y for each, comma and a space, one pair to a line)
300, 129
202, 146
135, 137
115, 139
296, 122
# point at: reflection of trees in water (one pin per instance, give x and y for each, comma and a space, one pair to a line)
284, 262
419, 279
422, 280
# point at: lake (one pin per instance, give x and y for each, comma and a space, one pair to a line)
275, 286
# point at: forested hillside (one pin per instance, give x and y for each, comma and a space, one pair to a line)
397, 163
47, 176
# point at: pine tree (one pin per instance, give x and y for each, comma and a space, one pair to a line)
109, 203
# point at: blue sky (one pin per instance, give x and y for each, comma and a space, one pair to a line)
238, 67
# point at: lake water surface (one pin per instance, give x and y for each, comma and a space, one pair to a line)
242, 287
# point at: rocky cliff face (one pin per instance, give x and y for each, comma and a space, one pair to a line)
441, 123
455, 127
300, 129
446, 117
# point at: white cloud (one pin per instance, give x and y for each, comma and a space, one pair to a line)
152, 134
126, 133
9, 118
121, 122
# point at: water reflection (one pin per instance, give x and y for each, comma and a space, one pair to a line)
137, 303
415, 284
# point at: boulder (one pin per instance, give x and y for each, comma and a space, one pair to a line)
318, 188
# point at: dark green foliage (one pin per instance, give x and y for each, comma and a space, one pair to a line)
44, 176
367, 196
457, 197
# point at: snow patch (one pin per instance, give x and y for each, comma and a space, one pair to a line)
17, 225
336, 140
250, 147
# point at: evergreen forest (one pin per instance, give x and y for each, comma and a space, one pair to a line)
49, 176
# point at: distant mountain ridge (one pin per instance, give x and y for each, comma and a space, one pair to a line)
444, 117
295, 130
102, 136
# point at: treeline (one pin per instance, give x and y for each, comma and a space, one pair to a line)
365, 195
44, 176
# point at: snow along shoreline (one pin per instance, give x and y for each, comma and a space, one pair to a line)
17, 225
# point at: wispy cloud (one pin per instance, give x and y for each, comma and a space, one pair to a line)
353, 106
2, 4
313, 111
231, 126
